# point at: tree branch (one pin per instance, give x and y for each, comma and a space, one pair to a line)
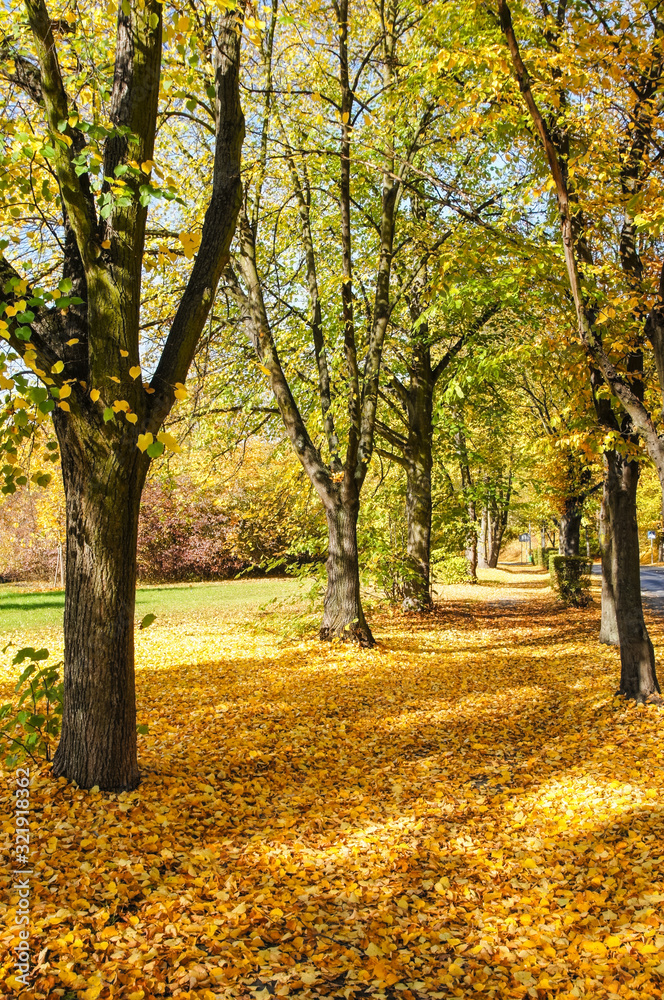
218, 226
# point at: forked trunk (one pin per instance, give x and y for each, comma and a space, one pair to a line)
638, 678
343, 617
417, 586
608, 630
491, 537
98, 742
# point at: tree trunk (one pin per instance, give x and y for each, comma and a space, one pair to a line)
491, 537
417, 585
570, 532
343, 617
419, 465
495, 511
98, 741
608, 630
638, 678
471, 544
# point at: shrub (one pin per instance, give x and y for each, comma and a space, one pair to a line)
541, 556
452, 569
31, 726
570, 578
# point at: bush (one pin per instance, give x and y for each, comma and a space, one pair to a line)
32, 731
541, 556
452, 569
570, 578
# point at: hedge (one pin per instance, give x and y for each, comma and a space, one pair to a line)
570, 578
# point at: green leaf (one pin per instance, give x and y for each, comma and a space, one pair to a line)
147, 621
24, 654
108, 414
142, 729
155, 449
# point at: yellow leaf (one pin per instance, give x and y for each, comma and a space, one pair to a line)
132, 418
94, 395
147, 166
373, 951
94, 989
106, 244
74, 340
65, 391
120, 405
168, 441
65, 406
144, 441
455, 970
5, 383
180, 391
114, 378
134, 372
124, 354
594, 947
57, 367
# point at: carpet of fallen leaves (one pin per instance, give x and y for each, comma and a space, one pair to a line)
464, 810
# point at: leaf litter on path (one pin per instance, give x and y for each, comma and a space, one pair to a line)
464, 810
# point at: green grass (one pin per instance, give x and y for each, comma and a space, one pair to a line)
25, 610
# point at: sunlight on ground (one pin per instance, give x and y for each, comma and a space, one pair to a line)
463, 810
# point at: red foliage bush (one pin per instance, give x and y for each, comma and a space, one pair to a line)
184, 539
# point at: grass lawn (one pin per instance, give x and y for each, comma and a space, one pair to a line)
21, 609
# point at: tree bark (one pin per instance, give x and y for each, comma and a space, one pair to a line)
638, 677
102, 493
570, 532
608, 630
471, 547
343, 617
417, 585
419, 466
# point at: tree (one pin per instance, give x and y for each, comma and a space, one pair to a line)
607, 274
85, 345
361, 83
412, 401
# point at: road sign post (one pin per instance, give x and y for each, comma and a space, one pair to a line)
652, 535
524, 538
